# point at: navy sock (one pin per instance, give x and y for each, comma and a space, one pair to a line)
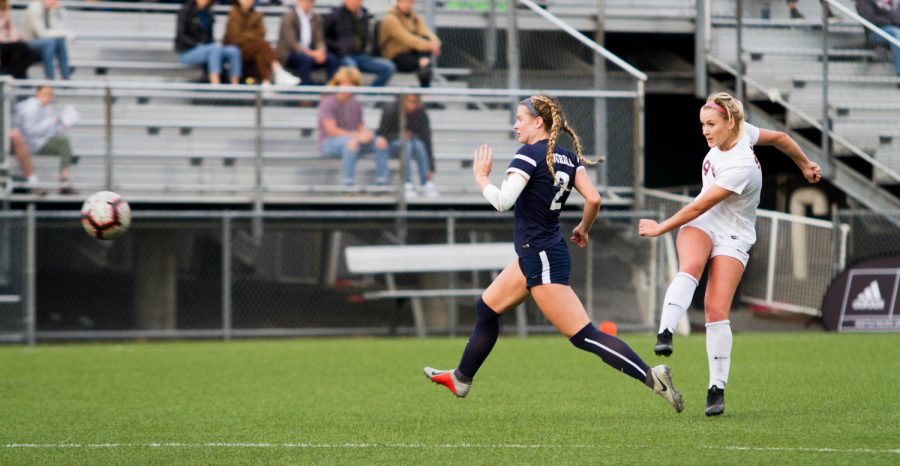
612, 350
481, 342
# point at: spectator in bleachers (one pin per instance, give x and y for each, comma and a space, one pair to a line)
301, 42
886, 15
404, 38
343, 133
245, 29
15, 55
195, 45
418, 142
43, 28
40, 128
795, 13
347, 36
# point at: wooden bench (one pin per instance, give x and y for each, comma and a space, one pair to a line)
431, 258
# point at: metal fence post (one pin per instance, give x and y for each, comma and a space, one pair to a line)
5, 116
638, 156
700, 49
108, 133
600, 104
826, 123
773, 257
257, 224
226, 275
452, 309
30, 275
739, 75
512, 54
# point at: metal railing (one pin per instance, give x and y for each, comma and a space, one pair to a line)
821, 123
199, 274
787, 271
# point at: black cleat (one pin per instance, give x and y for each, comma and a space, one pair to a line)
715, 401
663, 343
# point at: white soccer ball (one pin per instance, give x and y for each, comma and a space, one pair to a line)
105, 215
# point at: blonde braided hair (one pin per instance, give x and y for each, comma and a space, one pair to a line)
733, 109
551, 112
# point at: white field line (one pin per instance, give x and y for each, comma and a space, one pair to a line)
411, 446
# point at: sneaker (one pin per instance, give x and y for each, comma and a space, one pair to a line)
430, 190
449, 380
715, 401
662, 386
410, 191
795, 14
284, 78
663, 343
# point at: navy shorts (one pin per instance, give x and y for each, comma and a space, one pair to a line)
551, 265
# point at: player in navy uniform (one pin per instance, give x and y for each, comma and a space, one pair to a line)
538, 182
718, 228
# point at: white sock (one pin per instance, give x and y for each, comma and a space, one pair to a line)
677, 301
718, 352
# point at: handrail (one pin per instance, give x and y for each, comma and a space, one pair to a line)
777, 98
859, 19
239, 89
634, 72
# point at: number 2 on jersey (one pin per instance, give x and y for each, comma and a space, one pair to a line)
562, 182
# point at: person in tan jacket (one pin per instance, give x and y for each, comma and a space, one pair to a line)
301, 42
246, 30
405, 39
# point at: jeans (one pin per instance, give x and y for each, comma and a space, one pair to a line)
415, 151
381, 67
302, 65
338, 146
213, 55
893, 31
49, 49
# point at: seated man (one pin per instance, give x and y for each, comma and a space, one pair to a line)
301, 42
405, 38
343, 133
40, 129
347, 37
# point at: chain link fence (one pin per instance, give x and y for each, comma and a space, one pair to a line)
214, 274
871, 234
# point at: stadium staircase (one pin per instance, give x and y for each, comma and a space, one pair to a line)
783, 59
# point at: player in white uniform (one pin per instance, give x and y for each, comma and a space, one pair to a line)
718, 227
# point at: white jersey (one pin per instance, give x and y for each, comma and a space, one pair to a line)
738, 171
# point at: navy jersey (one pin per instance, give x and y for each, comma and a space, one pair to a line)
537, 208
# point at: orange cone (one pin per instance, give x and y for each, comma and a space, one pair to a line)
609, 328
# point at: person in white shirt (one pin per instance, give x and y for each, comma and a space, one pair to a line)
40, 128
718, 228
301, 43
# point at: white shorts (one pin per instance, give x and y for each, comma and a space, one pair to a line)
723, 245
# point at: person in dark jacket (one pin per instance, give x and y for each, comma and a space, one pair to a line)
347, 37
418, 142
886, 15
195, 45
301, 42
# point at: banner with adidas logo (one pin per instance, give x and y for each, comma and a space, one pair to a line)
865, 298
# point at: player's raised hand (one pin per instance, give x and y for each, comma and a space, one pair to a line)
647, 227
484, 161
812, 172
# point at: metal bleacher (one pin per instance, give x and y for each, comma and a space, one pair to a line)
784, 60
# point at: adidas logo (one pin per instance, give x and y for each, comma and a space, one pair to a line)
869, 299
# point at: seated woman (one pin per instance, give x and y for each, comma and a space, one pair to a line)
404, 38
195, 45
15, 55
246, 30
43, 29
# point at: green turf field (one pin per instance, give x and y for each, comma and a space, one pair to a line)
808, 398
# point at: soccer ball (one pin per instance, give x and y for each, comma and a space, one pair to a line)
105, 215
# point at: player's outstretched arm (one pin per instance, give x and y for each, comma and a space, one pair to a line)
591, 207
789, 147
696, 208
